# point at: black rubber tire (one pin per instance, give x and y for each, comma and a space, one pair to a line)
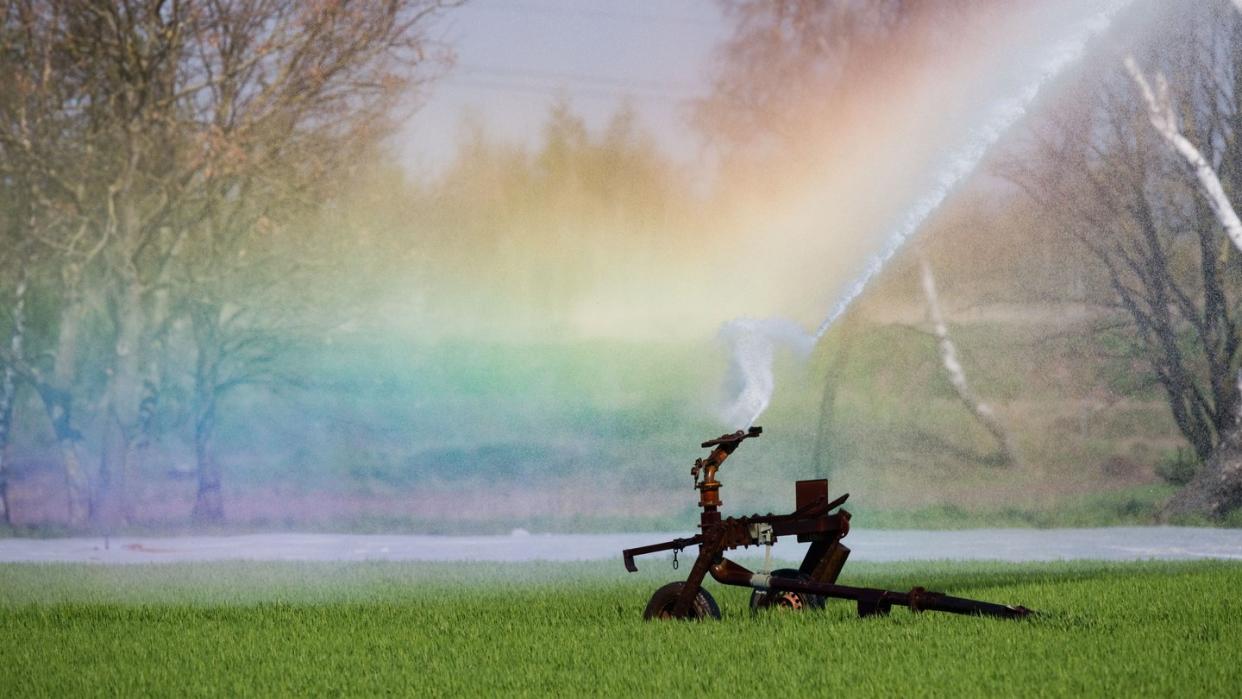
661, 604
797, 601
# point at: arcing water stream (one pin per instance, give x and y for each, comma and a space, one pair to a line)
753, 344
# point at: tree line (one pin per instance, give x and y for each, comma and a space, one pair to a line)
195, 194
190, 192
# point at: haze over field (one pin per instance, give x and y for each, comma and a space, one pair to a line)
794, 235
506, 264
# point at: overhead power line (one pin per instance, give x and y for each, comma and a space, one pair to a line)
574, 91
513, 6
595, 80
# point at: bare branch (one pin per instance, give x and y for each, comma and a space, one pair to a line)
1164, 120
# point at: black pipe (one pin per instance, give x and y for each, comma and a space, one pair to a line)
870, 600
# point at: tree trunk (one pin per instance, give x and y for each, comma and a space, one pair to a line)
6, 426
1216, 489
824, 432
122, 412
59, 404
138, 438
57, 400
6, 514
8, 394
209, 501
956, 375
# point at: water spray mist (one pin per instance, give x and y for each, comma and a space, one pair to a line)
753, 344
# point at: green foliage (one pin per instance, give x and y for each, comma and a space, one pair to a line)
260, 629
1178, 467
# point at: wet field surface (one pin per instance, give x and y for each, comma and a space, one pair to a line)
1015, 545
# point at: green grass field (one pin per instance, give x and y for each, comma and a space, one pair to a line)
1145, 629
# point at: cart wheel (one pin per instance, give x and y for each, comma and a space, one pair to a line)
661, 604
764, 599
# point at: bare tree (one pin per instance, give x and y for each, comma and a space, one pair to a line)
253, 291
134, 120
288, 112
1217, 488
1096, 164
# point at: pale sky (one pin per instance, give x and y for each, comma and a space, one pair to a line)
514, 57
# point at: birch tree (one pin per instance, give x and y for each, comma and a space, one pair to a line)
1217, 488
1139, 174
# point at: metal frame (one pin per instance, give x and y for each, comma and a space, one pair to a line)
811, 521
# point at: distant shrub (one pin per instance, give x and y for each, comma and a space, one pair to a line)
1179, 467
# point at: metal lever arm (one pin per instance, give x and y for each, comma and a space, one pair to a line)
675, 544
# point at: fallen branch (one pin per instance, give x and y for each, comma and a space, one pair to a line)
953, 368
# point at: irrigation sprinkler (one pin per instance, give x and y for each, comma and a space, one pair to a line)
806, 587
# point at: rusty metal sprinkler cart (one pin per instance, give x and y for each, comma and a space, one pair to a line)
804, 588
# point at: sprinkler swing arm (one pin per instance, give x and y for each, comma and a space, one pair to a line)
806, 587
